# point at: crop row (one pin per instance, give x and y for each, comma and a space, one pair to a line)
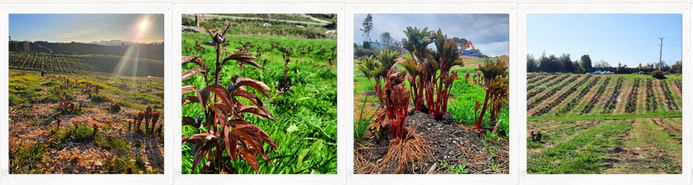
551, 92
561, 97
537, 78
531, 95
532, 75
612, 99
546, 80
651, 99
633, 97
596, 97
579, 97
69, 63
678, 84
667, 94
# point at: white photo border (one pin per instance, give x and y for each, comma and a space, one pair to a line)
317, 179
635, 179
451, 8
87, 179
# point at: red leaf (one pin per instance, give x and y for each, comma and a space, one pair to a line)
245, 58
261, 134
192, 72
255, 84
197, 60
190, 121
252, 160
222, 93
189, 88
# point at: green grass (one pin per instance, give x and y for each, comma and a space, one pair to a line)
306, 126
463, 102
28, 155
668, 114
567, 158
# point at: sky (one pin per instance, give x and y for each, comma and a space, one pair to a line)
488, 32
630, 39
87, 27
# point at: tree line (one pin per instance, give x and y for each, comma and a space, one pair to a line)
563, 63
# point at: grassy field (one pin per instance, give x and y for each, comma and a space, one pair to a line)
85, 64
41, 144
259, 28
591, 124
306, 114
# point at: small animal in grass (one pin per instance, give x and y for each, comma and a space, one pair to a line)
536, 136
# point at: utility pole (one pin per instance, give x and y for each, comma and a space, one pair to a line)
661, 43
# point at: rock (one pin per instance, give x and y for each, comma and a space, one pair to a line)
98, 164
69, 144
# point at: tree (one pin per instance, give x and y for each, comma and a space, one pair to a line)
578, 67
460, 42
662, 66
531, 63
386, 39
676, 68
367, 26
602, 64
586, 62
567, 63
544, 63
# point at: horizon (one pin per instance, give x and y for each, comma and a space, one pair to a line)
629, 39
87, 28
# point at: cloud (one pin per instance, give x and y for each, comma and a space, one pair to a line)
494, 49
488, 32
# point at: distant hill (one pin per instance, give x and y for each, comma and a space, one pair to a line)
145, 51
115, 42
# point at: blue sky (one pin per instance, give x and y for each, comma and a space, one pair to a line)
488, 32
87, 27
626, 38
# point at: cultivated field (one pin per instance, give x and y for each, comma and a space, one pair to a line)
302, 99
80, 123
85, 64
590, 124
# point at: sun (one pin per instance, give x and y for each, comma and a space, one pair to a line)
143, 25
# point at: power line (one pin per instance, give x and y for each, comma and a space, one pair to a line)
599, 39
649, 45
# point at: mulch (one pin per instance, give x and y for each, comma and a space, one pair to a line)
452, 144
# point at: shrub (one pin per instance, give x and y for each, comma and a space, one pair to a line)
377, 71
438, 89
397, 98
225, 129
658, 74
496, 82
100, 98
417, 44
14, 99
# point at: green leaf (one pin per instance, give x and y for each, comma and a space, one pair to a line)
292, 128
301, 156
